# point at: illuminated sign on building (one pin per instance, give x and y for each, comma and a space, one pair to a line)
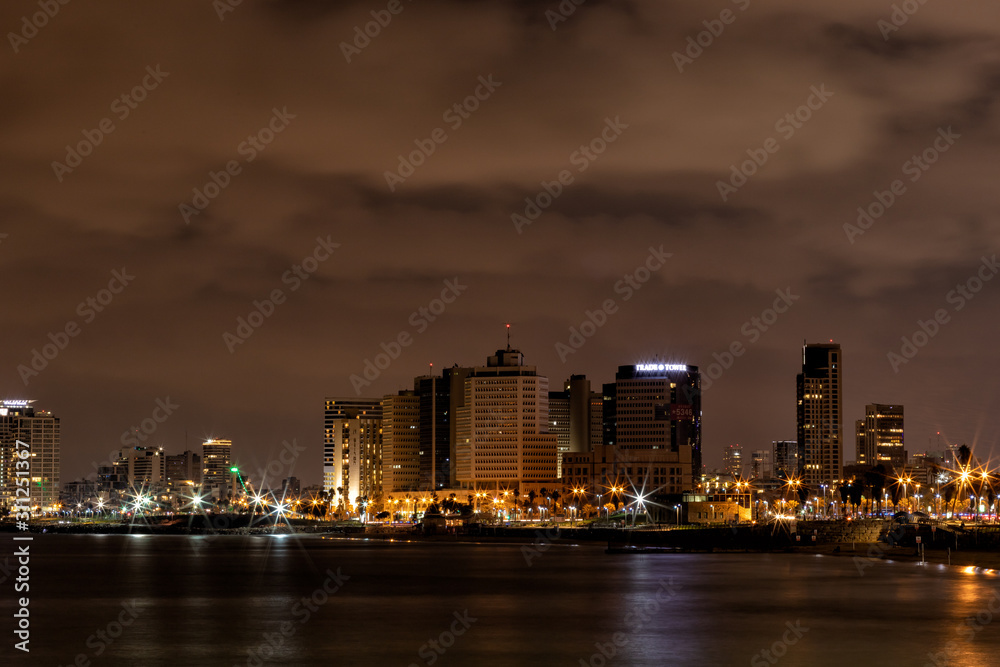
15, 403
661, 367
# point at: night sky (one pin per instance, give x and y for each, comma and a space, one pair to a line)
678, 125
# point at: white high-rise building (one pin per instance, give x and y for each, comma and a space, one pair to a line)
352, 448
215, 457
503, 436
41, 431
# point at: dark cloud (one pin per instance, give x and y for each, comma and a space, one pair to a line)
657, 184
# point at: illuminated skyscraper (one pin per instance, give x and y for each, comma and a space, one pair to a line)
819, 416
655, 406
880, 436
352, 448
41, 431
786, 459
503, 436
401, 442
760, 464
215, 457
572, 413
732, 460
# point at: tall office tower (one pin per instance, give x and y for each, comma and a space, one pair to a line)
732, 460
571, 417
579, 413
41, 431
183, 468
503, 436
401, 442
657, 406
435, 431
596, 420
820, 425
609, 427
786, 459
760, 464
215, 458
559, 425
880, 436
352, 448
455, 377
863, 456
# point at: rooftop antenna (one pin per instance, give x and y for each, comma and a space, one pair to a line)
508, 337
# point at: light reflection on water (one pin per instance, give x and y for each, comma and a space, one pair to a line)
206, 601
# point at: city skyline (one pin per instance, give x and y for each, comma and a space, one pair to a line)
286, 273
316, 474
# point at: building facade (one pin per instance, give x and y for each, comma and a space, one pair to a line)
786, 459
184, 469
40, 429
633, 471
401, 442
216, 455
819, 399
435, 431
732, 460
576, 417
879, 436
655, 406
760, 464
503, 436
352, 448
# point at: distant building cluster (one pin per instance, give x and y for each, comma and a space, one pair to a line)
498, 429
500, 426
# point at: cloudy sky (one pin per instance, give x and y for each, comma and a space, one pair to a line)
94, 183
